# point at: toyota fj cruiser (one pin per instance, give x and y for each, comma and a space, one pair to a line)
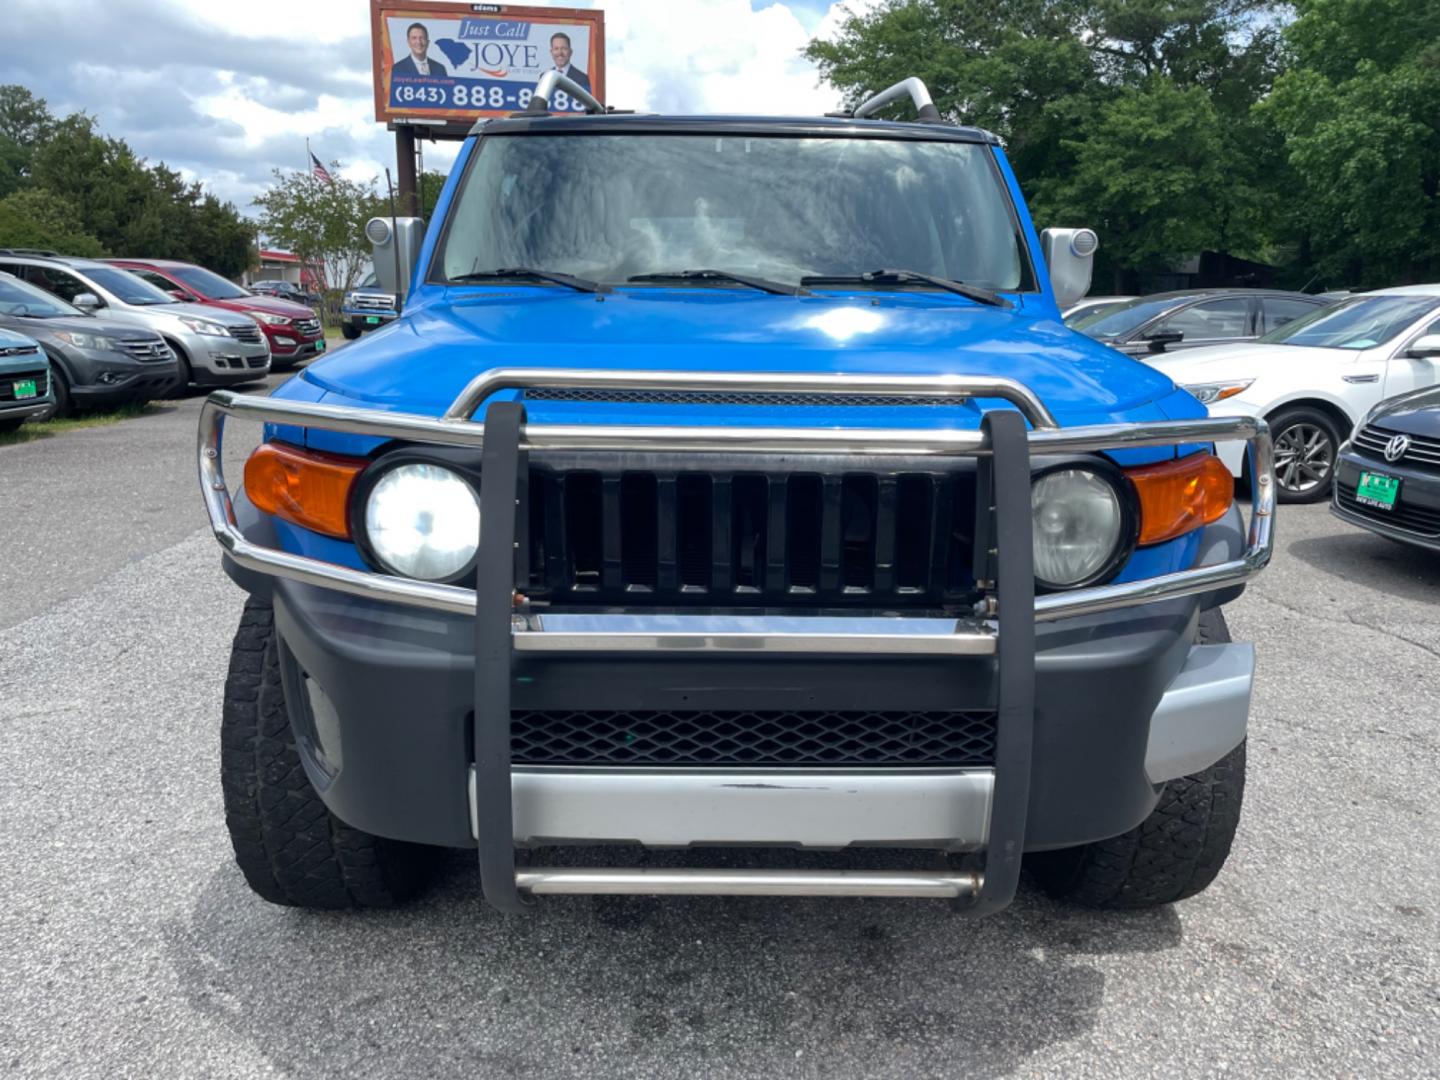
734, 482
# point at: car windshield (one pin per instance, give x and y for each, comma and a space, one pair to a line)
26, 301
1090, 311
1361, 323
1113, 322
370, 281
209, 284
609, 207
129, 288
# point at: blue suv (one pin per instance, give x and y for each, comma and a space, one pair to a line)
731, 483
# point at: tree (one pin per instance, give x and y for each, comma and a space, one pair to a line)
41, 219
1359, 113
25, 122
323, 223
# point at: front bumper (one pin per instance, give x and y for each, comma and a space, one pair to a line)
1415, 518
367, 319
1094, 704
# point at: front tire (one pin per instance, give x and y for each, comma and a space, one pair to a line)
1174, 853
290, 848
350, 332
1307, 447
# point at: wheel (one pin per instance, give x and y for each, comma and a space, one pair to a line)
59, 389
1306, 447
1174, 853
350, 332
11, 424
187, 374
290, 848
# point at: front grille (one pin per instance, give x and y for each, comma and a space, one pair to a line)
256, 361
18, 350
753, 739
727, 397
248, 334
1423, 454
9, 379
307, 327
383, 304
793, 539
147, 350
1407, 516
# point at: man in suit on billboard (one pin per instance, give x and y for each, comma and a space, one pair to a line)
418, 64
560, 53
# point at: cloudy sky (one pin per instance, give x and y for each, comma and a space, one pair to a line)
227, 90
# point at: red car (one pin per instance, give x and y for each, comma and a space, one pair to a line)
292, 330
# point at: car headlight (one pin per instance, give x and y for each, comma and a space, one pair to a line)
202, 326
87, 341
423, 521
1209, 393
348, 300
1079, 526
271, 320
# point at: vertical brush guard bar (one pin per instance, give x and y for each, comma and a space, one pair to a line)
1004, 622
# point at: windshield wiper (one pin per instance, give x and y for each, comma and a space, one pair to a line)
899, 277
579, 284
778, 288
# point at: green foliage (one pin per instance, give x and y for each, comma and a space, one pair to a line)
322, 223
112, 200
1155, 122
41, 219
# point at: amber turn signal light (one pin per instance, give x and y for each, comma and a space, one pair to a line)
305, 487
1177, 496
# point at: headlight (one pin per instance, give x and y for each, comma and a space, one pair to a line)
1079, 525
1209, 393
201, 326
349, 300
271, 320
87, 341
423, 521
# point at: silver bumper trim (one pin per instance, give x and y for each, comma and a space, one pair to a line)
1203, 714
654, 808
556, 881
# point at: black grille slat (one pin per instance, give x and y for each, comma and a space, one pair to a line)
857, 530
667, 539
886, 496
777, 489
802, 554
694, 532
830, 535
612, 575
732, 397
639, 532
759, 739
582, 527
749, 517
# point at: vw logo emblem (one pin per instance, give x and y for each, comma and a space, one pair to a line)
1396, 447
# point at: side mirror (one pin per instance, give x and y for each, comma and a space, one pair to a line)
397, 244
1069, 255
1162, 338
1426, 347
87, 301
179, 294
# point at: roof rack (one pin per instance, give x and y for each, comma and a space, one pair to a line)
37, 252
912, 88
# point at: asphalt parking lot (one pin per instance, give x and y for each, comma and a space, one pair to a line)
129, 946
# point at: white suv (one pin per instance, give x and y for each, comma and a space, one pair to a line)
215, 347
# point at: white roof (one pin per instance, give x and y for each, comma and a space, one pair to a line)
1406, 290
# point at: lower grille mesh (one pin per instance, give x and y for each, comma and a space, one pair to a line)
818, 739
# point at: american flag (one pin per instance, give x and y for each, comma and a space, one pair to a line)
319, 171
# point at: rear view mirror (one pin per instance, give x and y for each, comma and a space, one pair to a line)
1159, 340
1069, 254
86, 301
1426, 347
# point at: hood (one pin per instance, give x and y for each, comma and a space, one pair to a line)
206, 311
86, 324
423, 361
1415, 413
1216, 363
270, 305
9, 339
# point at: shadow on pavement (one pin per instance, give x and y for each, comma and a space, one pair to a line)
587, 986
1385, 565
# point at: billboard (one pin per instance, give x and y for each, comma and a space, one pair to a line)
452, 63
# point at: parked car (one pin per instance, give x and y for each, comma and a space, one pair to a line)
24, 380
1092, 305
763, 532
366, 307
292, 330
1314, 377
286, 290
94, 362
1166, 322
1388, 479
213, 347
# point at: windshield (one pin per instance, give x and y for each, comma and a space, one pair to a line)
1361, 323
26, 301
1090, 310
126, 286
608, 207
1117, 321
208, 284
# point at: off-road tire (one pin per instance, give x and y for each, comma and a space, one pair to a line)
350, 332
291, 849
1174, 853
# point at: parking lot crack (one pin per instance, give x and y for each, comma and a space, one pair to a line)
1348, 620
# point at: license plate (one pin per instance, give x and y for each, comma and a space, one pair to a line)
320, 345
24, 388
1377, 490
372, 319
